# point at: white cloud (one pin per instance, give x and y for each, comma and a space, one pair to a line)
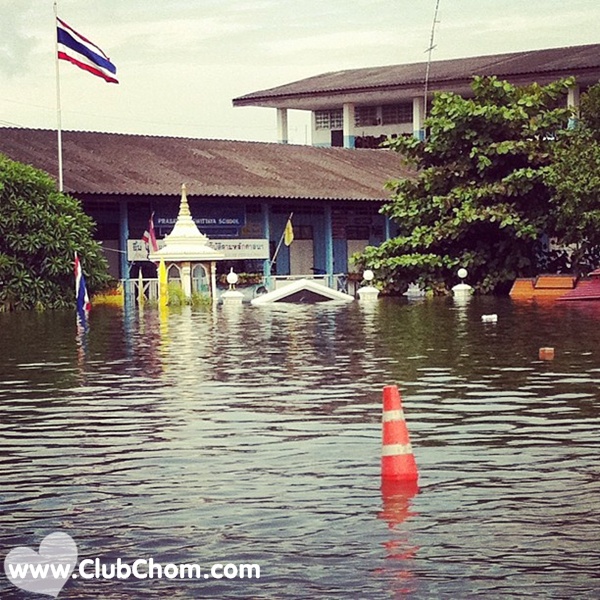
334, 41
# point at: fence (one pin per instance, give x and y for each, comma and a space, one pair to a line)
149, 287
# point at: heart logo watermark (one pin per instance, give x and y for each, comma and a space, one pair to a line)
45, 571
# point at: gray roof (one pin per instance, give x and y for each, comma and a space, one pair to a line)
119, 164
407, 80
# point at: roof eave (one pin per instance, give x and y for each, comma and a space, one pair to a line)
316, 99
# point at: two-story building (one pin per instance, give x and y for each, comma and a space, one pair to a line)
359, 108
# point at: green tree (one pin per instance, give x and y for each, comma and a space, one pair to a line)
478, 199
40, 231
574, 177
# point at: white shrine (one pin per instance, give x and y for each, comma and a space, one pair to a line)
187, 255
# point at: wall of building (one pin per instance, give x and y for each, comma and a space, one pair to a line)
371, 124
325, 233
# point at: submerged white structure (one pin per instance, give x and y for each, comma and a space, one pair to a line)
303, 291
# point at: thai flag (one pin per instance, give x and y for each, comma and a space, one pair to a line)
152, 235
81, 294
149, 237
78, 50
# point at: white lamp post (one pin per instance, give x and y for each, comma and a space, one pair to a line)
232, 296
232, 279
368, 292
462, 291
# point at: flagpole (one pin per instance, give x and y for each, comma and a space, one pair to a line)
280, 241
58, 107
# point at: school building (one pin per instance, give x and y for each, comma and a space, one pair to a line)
359, 108
242, 193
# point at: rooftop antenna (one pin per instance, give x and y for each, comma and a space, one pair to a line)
429, 51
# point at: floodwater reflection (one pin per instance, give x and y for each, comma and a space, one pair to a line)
397, 500
252, 434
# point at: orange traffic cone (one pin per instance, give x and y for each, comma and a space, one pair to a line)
397, 458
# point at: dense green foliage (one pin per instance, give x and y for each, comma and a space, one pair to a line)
480, 198
40, 231
574, 177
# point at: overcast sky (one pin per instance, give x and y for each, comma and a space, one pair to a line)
181, 62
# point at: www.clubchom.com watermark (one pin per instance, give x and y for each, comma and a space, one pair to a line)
48, 570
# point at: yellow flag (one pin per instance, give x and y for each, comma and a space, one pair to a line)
288, 236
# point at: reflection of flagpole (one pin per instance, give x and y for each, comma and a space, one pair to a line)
285, 229
58, 106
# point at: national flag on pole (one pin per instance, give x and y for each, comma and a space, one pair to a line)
81, 294
78, 50
152, 235
288, 234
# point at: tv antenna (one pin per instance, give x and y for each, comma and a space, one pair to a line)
429, 51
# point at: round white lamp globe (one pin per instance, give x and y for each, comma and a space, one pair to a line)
368, 275
232, 277
462, 273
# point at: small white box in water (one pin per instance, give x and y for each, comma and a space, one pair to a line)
489, 318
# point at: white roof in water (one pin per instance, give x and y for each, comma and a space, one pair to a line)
313, 291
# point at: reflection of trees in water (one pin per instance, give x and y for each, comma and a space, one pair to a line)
40, 347
437, 334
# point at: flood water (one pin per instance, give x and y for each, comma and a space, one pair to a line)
253, 436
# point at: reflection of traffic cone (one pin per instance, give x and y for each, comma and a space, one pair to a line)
396, 509
397, 459
396, 497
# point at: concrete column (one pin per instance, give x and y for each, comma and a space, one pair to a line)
329, 244
213, 281
573, 97
419, 117
123, 237
123, 262
573, 103
186, 279
282, 126
348, 125
267, 236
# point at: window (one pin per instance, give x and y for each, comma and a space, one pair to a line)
329, 119
365, 116
396, 113
174, 274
